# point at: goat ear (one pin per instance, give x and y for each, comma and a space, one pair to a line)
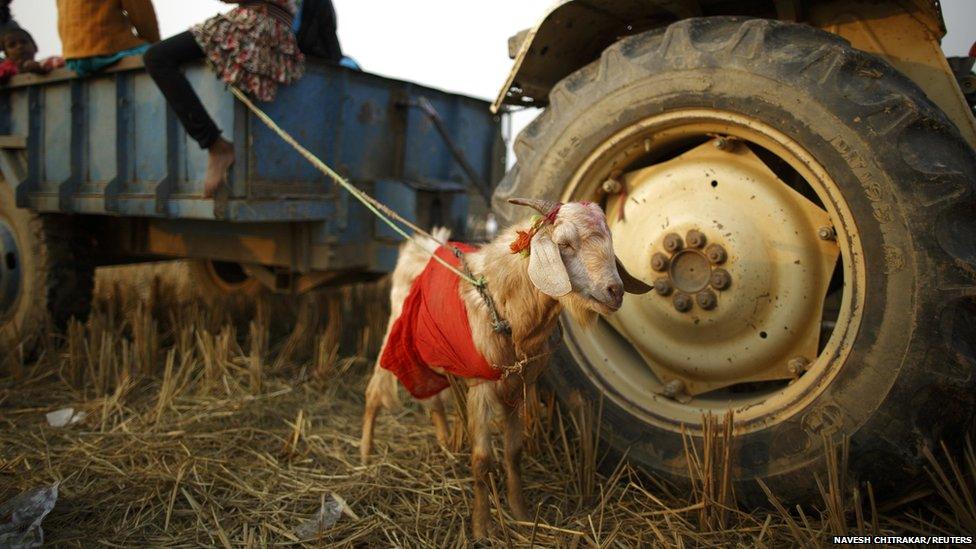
546, 269
632, 284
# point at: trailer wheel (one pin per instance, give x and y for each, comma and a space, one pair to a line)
808, 218
45, 271
223, 278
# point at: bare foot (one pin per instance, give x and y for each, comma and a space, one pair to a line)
220, 159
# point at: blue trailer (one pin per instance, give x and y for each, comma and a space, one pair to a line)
98, 171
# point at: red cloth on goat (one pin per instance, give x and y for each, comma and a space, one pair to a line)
433, 330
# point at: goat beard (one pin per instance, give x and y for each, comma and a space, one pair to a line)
579, 310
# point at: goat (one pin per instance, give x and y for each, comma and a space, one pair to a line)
571, 265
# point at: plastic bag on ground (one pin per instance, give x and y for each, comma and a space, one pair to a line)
332, 507
63, 417
21, 516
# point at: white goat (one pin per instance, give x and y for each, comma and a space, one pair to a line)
571, 265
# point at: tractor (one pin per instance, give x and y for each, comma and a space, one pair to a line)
796, 179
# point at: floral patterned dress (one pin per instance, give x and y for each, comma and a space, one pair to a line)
252, 46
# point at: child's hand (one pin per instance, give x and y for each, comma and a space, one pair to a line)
51, 63
34, 67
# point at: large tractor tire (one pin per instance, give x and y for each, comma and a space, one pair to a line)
807, 216
46, 272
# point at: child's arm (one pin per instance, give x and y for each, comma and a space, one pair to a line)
143, 18
29, 65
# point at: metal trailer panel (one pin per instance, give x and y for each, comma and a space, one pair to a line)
109, 144
110, 147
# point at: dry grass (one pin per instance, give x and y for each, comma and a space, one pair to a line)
226, 426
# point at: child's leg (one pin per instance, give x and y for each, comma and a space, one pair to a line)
163, 62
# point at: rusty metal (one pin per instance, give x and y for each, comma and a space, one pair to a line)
716, 254
682, 302
672, 242
695, 238
720, 279
659, 262
826, 233
706, 299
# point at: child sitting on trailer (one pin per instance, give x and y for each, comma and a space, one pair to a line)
20, 49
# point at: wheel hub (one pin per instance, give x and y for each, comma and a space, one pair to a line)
691, 271
740, 296
10, 267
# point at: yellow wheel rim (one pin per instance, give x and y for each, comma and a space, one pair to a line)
757, 265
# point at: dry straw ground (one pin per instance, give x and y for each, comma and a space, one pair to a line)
224, 423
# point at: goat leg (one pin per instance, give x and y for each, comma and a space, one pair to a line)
438, 417
369, 418
380, 393
513, 463
479, 421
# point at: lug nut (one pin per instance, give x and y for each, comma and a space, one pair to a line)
682, 302
674, 389
706, 299
695, 238
720, 279
827, 233
797, 365
724, 142
663, 287
716, 254
612, 185
672, 242
659, 262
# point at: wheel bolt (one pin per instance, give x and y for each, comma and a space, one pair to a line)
797, 365
715, 253
659, 262
827, 233
612, 185
720, 279
724, 143
672, 242
682, 302
674, 389
706, 299
695, 238
663, 286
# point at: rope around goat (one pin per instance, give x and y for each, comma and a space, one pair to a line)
379, 209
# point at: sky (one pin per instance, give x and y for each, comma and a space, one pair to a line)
455, 45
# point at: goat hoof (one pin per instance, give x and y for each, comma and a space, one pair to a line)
479, 538
521, 515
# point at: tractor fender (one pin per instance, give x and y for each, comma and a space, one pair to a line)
573, 33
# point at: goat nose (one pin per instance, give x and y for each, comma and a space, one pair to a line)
615, 291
